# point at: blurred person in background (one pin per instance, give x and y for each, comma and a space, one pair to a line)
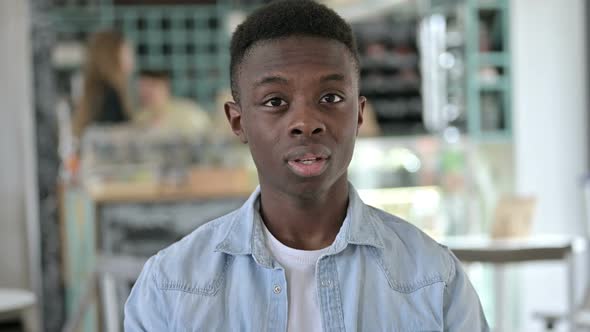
160, 110
370, 127
105, 96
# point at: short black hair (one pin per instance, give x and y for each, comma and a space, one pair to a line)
286, 18
160, 74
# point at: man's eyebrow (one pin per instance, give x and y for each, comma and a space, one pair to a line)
269, 80
333, 77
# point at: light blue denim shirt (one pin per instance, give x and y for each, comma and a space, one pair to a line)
380, 274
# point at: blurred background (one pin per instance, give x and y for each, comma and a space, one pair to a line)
113, 145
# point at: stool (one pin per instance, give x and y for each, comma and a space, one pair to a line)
13, 309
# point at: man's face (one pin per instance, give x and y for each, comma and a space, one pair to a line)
299, 111
153, 92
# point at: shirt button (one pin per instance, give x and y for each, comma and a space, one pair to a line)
326, 283
277, 289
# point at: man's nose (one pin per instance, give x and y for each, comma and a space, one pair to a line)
306, 122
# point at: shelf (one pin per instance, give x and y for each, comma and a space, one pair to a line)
358, 11
400, 195
492, 4
497, 136
390, 86
499, 85
389, 62
444, 5
497, 59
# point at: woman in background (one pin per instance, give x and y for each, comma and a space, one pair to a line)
105, 97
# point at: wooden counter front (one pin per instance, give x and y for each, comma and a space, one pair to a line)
200, 184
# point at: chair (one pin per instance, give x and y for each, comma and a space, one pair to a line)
581, 314
14, 307
581, 319
109, 271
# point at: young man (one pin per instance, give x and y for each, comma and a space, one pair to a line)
304, 253
161, 111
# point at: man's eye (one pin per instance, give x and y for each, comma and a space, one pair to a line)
331, 98
275, 102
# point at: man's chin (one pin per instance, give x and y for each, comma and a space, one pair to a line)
311, 188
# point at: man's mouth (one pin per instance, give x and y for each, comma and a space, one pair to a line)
308, 165
309, 160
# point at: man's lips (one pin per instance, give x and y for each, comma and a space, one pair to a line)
309, 167
308, 161
308, 158
308, 152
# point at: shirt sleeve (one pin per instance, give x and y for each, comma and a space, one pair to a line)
144, 310
462, 308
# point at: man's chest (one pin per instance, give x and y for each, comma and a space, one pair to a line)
346, 298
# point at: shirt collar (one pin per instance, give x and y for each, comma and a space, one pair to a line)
246, 235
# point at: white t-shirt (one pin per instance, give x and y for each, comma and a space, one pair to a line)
304, 309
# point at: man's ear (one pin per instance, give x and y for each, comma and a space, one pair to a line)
361, 112
233, 112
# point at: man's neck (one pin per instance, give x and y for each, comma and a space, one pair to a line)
303, 222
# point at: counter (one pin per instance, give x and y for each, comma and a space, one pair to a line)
134, 220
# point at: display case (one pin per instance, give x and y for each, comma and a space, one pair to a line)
390, 75
131, 162
466, 55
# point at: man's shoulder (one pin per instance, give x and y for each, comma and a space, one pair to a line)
185, 105
409, 254
174, 267
205, 237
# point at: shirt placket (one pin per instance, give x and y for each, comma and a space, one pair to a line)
278, 302
329, 295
